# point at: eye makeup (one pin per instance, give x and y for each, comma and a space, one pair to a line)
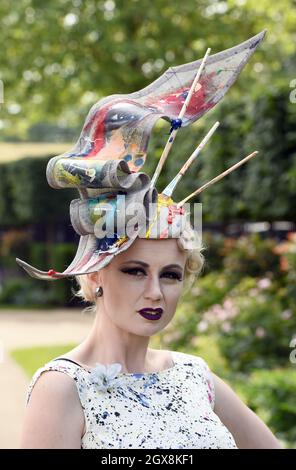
145, 265
169, 274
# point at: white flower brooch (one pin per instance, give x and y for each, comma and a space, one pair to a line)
104, 376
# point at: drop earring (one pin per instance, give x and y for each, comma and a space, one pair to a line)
99, 291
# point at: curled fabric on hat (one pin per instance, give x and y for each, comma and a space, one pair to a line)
105, 162
86, 214
103, 175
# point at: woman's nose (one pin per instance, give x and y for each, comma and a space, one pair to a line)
153, 289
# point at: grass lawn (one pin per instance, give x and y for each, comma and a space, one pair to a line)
30, 359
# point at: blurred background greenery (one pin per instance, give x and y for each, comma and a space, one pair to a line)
57, 60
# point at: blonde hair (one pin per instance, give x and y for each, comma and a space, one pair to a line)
189, 241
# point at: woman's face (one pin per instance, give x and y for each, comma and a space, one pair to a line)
149, 274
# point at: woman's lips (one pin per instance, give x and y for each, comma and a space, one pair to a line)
151, 314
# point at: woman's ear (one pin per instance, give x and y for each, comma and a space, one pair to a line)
94, 280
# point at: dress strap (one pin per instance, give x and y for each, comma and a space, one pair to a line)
66, 359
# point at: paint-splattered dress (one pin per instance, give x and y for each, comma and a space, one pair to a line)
170, 409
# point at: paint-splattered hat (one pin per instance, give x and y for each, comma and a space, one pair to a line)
118, 202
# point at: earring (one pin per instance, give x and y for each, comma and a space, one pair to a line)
99, 291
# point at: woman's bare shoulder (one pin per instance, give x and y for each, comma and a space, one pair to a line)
161, 359
53, 417
55, 384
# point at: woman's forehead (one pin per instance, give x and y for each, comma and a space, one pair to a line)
156, 251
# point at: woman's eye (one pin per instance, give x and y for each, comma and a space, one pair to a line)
173, 275
133, 271
139, 271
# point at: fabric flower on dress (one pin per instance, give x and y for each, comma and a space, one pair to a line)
104, 376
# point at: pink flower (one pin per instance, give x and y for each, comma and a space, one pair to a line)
260, 332
286, 314
202, 326
264, 283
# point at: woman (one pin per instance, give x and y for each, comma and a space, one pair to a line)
112, 390
159, 399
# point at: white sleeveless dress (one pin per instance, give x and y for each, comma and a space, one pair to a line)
170, 409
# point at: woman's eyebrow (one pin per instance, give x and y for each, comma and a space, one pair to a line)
145, 265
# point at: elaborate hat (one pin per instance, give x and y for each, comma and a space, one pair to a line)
105, 163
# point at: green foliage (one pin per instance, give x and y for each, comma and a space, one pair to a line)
272, 132
260, 333
38, 254
214, 251
14, 243
77, 52
253, 321
271, 394
263, 188
250, 256
24, 292
30, 197
7, 214
62, 254
209, 290
71, 54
